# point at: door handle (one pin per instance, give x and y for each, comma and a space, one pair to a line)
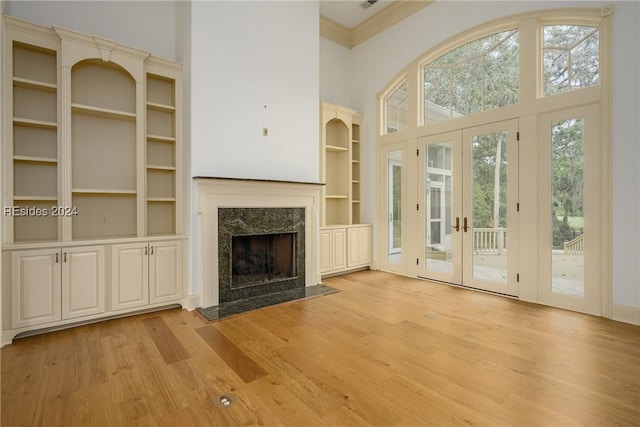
464, 225
457, 226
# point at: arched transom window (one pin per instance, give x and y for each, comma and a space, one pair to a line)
478, 76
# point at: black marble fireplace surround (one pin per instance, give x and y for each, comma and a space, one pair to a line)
258, 221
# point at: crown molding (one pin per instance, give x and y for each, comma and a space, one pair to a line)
335, 32
387, 17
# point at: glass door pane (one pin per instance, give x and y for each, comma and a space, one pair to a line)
489, 208
438, 254
439, 187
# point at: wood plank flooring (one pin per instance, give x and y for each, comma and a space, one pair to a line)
384, 351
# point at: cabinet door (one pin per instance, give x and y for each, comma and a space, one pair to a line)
35, 287
83, 291
325, 251
165, 271
353, 247
339, 245
129, 275
365, 245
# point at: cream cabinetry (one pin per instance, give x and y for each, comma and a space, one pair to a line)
56, 284
333, 250
340, 171
145, 273
345, 248
93, 148
359, 242
340, 165
91, 156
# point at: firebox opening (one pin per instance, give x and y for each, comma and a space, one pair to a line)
262, 258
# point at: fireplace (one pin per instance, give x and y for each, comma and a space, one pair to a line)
228, 208
260, 251
259, 259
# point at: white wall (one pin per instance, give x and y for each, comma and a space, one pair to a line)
148, 25
245, 56
377, 61
255, 65
335, 73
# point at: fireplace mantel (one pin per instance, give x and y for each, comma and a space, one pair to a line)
214, 193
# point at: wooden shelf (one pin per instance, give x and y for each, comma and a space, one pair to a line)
42, 124
161, 199
34, 84
103, 191
162, 168
335, 148
34, 199
105, 113
355, 181
160, 138
335, 196
161, 107
34, 159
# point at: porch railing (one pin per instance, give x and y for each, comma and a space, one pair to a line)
575, 246
489, 240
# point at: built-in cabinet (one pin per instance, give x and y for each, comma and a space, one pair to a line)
145, 273
91, 154
341, 231
345, 248
56, 284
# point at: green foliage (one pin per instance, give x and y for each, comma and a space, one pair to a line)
570, 57
478, 76
567, 154
484, 167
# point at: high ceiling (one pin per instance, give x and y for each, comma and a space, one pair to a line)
350, 13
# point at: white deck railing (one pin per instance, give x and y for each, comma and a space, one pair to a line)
489, 240
575, 246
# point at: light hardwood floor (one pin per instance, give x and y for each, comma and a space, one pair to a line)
384, 351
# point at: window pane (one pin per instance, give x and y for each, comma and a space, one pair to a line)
584, 63
478, 76
467, 88
500, 82
556, 74
567, 208
397, 105
394, 207
570, 58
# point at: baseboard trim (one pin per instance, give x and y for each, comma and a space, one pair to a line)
192, 302
626, 314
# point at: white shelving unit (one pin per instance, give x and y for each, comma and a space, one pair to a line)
92, 156
345, 243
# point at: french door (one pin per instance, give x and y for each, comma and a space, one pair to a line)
468, 202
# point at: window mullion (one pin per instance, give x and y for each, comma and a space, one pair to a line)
530, 77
